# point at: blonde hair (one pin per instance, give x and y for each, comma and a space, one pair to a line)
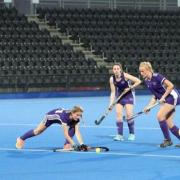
147, 65
77, 109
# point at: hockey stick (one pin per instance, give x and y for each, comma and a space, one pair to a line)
90, 149
139, 113
97, 122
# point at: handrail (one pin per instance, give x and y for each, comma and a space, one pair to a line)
110, 4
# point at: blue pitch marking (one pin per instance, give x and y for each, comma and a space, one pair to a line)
141, 159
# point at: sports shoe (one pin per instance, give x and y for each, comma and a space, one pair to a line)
166, 143
19, 143
131, 137
118, 137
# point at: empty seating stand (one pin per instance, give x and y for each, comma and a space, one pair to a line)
31, 58
126, 36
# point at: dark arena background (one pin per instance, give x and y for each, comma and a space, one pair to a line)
71, 45
60, 53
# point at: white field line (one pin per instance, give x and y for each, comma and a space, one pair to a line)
83, 126
102, 153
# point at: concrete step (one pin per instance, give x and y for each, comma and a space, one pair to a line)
66, 40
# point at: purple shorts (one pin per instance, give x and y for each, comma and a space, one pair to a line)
172, 101
127, 99
48, 122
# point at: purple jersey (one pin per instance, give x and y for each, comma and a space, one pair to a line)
60, 116
120, 85
155, 85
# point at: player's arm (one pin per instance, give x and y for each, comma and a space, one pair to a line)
78, 134
169, 87
113, 90
152, 101
82, 147
136, 81
66, 134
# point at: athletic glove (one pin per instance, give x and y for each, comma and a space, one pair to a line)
76, 147
84, 147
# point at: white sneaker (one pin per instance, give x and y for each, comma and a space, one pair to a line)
131, 137
118, 137
19, 143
